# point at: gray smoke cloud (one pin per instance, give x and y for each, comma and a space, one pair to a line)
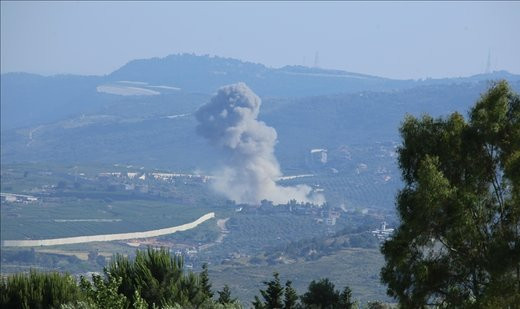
230, 122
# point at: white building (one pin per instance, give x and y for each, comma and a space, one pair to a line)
383, 233
319, 154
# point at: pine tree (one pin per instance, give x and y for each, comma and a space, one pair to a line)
291, 297
224, 296
159, 278
272, 295
257, 303
139, 302
38, 290
345, 299
204, 282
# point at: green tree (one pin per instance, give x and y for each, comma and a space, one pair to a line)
191, 292
377, 305
38, 290
138, 301
273, 294
257, 303
321, 294
104, 294
204, 282
158, 277
345, 299
224, 296
291, 297
458, 243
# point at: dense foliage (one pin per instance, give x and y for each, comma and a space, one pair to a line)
154, 279
320, 295
38, 290
160, 279
224, 296
458, 244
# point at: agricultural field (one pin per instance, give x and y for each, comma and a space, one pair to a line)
366, 190
69, 218
76, 201
93, 200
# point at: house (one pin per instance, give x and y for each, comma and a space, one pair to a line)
383, 233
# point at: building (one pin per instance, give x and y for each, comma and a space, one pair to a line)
319, 155
18, 198
383, 233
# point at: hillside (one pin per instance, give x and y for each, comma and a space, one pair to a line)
159, 131
31, 100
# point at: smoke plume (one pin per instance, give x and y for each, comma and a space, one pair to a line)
250, 173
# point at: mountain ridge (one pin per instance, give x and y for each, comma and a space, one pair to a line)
30, 99
262, 67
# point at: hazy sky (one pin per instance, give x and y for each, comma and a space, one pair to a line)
391, 39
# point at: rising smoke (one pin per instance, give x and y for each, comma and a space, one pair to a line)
250, 173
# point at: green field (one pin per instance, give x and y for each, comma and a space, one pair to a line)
74, 201
50, 220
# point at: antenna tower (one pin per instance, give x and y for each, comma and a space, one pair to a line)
488, 64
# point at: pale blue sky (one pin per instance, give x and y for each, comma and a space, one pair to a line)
391, 39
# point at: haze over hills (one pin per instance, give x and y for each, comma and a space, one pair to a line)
143, 114
22, 94
150, 119
259, 154
336, 135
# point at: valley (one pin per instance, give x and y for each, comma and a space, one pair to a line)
121, 155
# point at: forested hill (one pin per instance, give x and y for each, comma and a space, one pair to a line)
160, 130
30, 100
205, 74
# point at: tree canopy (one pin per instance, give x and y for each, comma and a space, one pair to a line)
458, 241
154, 279
320, 294
38, 290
